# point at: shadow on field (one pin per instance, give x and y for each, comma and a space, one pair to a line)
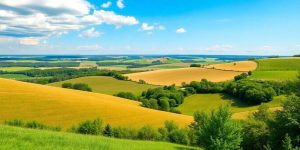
235, 101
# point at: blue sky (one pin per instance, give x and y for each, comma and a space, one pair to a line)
246, 27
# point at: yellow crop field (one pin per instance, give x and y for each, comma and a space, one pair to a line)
178, 76
236, 66
65, 107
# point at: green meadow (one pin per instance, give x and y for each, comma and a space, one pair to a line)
14, 76
109, 85
274, 75
13, 69
209, 102
14, 138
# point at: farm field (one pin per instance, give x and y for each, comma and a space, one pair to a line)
274, 75
235, 66
14, 76
277, 69
178, 76
65, 107
279, 64
13, 138
208, 102
108, 85
13, 69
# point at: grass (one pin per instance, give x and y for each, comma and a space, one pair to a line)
208, 102
178, 76
277, 69
14, 138
14, 76
88, 64
65, 107
274, 75
109, 85
279, 64
13, 69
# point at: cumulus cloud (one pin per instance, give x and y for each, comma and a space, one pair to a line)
120, 4
90, 33
147, 27
106, 5
44, 18
180, 30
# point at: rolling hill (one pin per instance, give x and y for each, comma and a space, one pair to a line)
108, 85
178, 76
243, 66
27, 139
65, 107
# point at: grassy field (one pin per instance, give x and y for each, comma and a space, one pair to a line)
279, 64
88, 64
13, 138
65, 107
13, 69
177, 76
109, 85
274, 75
14, 76
277, 69
236, 66
208, 102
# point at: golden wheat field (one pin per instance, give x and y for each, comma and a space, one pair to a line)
236, 66
66, 107
178, 76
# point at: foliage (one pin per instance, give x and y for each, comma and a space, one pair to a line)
148, 133
127, 95
217, 131
204, 86
241, 76
93, 127
163, 98
77, 86
30, 124
195, 65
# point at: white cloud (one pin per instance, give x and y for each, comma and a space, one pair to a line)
30, 41
44, 18
90, 33
180, 30
219, 47
120, 4
106, 5
147, 27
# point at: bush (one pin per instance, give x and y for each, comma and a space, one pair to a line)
164, 104
205, 86
127, 95
15, 122
153, 104
195, 65
67, 85
82, 86
148, 133
142, 82
179, 137
93, 127
108, 131
241, 77
125, 133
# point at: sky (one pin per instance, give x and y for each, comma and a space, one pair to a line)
212, 27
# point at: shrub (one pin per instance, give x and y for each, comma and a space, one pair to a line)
126, 133
67, 85
164, 104
148, 133
241, 77
35, 125
179, 137
108, 131
15, 122
142, 82
195, 65
82, 86
171, 126
93, 127
153, 104
127, 95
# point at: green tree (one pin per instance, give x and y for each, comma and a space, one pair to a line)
67, 85
217, 131
179, 136
108, 131
148, 133
93, 127
153, 104
164, 104
287, 143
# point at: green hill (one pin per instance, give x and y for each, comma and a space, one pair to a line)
209, 102
108, 85
14, 138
